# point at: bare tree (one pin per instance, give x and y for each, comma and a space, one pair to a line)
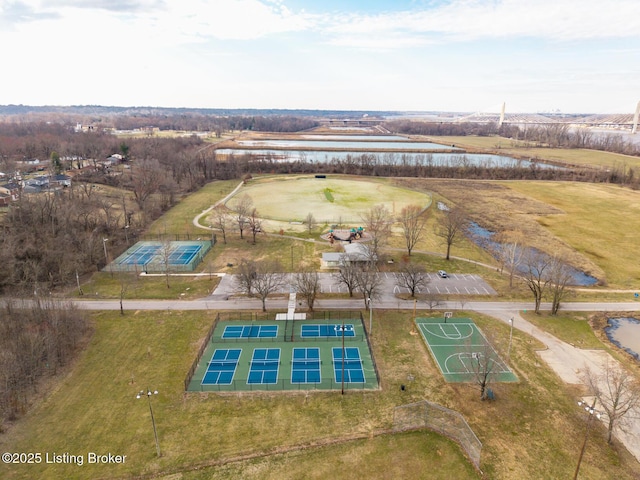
537, 266
412, 220
450, 227
310, 222
145, 180
246, 276
369, 282
243, 210
560, 277
413, 277
124, 279
347, 274
255, 224
484, 365
433, 300
308, 286
618, 393
508, 250
221, 219
377, 221
268, 280
165, 256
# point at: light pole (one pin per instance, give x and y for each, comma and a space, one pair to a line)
370, 315
510, 338
104, 245
148, 393
591, 411
126, 234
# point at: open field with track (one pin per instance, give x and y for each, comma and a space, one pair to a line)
331, 200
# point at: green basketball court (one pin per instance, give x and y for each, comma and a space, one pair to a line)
461, 350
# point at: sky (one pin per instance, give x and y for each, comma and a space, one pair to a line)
571, 56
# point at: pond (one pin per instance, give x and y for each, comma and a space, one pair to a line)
365, 143
484, 238
388, 158
625, 333
359, 138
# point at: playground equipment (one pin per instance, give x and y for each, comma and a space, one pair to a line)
353, 234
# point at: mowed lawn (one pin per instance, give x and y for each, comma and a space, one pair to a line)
529, 432
330, 200
600, 221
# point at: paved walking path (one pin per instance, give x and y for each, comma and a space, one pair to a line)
569, 363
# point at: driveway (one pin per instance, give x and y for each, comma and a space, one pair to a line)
569, 362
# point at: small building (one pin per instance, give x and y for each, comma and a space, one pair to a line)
60, 180
353, 253
11, 189
331, 260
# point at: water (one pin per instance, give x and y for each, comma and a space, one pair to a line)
484, 238
625, 333
355, 138
454, 160
364, 143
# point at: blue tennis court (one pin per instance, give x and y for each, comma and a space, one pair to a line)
159, 256
305, 365
351, 365
327, 330
264, 366
183, 254
141, 255
250, 331
222, 367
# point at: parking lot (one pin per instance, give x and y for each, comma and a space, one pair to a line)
455, 284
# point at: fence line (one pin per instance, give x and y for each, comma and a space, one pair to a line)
204, 345
241, 386
325, 316
442, 420
373, 360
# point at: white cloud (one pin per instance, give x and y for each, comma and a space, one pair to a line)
476, 19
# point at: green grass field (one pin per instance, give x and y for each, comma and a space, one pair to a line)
599, 221
93, 408
292, 198
580, 221
573, 156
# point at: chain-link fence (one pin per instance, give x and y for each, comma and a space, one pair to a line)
442, 420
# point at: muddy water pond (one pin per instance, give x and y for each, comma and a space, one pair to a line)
625, 333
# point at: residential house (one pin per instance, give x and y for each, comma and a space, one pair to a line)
10, 189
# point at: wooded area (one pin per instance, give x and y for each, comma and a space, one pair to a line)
36, 340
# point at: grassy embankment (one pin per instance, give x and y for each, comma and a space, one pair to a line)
532, 430
522, 149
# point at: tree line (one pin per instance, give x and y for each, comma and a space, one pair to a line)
553, 135
36, 340
419, 166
